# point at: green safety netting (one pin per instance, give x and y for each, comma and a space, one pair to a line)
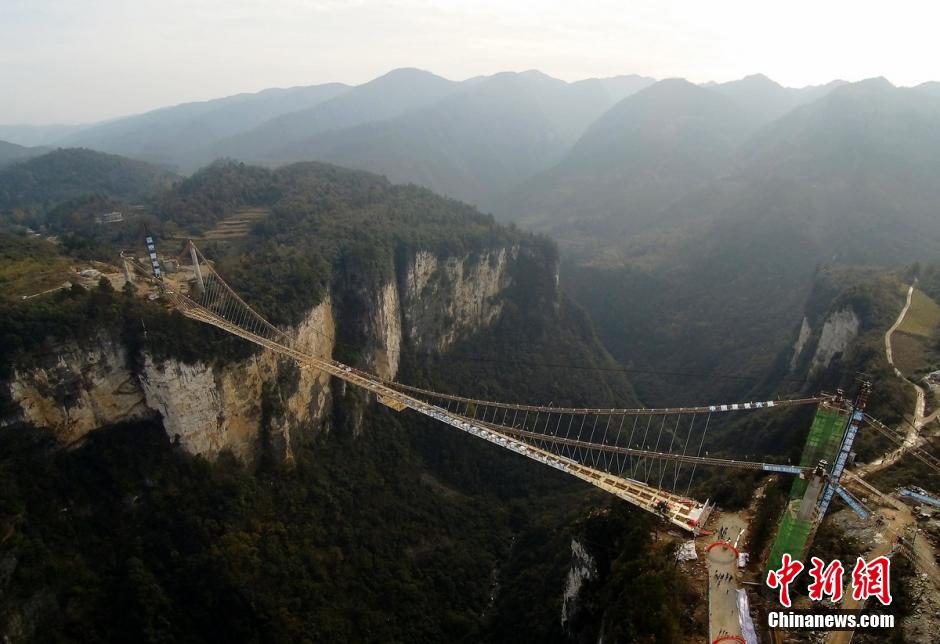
823, 441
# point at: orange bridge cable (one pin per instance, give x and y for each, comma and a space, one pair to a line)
743, 406
680, 511
231, 291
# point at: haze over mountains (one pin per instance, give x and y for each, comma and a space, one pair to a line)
409, 124
11, 152
724, 197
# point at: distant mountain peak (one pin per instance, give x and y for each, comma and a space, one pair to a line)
674, 82
878, 82
867, 88
529, 74
669, 87
759, 80
405, 75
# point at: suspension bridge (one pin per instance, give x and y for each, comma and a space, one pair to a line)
647, 457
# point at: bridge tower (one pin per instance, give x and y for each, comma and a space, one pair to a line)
830, 440
200, 284
848, 440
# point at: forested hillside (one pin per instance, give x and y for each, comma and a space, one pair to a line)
724, 261
30, 188
129, 537
10, 153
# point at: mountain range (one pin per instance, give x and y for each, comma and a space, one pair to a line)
713, 204
716, 221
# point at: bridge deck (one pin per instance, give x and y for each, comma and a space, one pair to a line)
680, 511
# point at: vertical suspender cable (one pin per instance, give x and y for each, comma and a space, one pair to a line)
679, 464
702, 442
662, 471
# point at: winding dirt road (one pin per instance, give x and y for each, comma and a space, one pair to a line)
898, 518
913, 436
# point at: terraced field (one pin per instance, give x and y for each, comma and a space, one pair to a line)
235, 225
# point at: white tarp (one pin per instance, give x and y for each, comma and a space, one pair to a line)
744, 618
687, 552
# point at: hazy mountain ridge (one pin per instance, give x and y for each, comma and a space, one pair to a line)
856, 167
184, 135
385, 97
477, 143
334, 122
646, 153
36, 135
847, 179
12, 152
647, 150
43, 182
766, 100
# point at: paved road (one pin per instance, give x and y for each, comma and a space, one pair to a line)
722, 601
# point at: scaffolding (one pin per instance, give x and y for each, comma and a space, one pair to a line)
822, 444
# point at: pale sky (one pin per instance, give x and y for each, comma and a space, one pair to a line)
69, 61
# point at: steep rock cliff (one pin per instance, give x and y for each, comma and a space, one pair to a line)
210, 408
838, 331
78, 388
583, 568
207, 408
454, 296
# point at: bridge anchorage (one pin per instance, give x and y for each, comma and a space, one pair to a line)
643, 456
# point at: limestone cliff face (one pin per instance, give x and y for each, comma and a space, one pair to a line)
77, 389
207, 409
386, 324
210, 408
838, 331
444, 299
583, 568
800, 343
818, 343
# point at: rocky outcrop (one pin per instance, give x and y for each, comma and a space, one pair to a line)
838, 331
444, 299
76, 389
206, 408
210, 408
582, 569
800, 343
386, 353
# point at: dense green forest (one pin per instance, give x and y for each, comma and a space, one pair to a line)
30, 188
408, 532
